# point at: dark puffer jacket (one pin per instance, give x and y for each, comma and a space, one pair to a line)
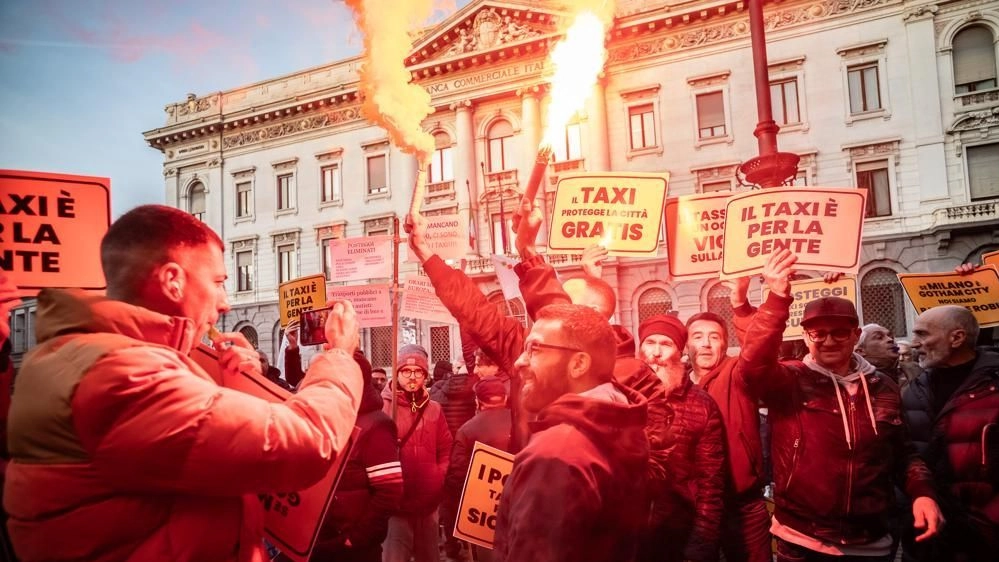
370, 487
831, 485
690, 505
459, 400
961, 445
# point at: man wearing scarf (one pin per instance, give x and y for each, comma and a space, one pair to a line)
424, 444
838, 441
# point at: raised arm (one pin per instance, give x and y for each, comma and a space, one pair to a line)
758, 367
502, 337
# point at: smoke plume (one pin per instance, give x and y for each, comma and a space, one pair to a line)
390, 99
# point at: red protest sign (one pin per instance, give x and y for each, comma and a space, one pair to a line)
51, 226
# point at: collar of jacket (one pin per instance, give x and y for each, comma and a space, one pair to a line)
73, 311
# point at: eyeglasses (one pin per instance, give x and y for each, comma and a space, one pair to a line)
531, 347
410, 373
839, 335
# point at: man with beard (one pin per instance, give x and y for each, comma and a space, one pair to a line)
424, 446
952, 410
745, 522
687, 508
577, 490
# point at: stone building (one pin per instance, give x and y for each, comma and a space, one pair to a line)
896, 96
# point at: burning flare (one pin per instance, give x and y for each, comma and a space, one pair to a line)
577, 59
390, 99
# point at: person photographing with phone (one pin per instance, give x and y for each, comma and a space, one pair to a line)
123, 448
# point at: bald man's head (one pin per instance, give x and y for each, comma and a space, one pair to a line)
945, 336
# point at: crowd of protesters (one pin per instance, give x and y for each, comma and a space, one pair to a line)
119, 446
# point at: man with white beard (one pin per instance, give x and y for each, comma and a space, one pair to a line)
685, 523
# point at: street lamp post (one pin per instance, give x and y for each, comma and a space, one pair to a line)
771, 168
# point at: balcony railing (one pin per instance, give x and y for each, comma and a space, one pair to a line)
979, 98
974, 211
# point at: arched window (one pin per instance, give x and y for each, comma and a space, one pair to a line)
250, 333
442, 164
196, 200
882, 301
974, 60
719, 304
501, 146
653, 301
513, 308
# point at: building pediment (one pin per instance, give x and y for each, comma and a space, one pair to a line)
483, 27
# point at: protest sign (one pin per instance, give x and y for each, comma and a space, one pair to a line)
977, 291
420, 301
51, 226
487, 474
304, 293
805, 291
372, 303
695, 229
621, 212
360, 259
292, 520
991, 258
821, 225
447, 236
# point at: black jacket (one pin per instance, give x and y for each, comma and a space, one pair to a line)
961, 444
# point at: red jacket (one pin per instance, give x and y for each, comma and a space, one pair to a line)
834, 483
124, 449
424, 456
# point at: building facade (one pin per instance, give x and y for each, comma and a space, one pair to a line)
899, 97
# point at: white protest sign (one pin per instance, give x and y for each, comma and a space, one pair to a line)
695, 232
447, 236
621, 212
420, 301
360, 259
372, 303
821, 225
292, 519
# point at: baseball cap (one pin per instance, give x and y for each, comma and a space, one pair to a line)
830, 308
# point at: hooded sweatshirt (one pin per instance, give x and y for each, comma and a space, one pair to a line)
577, 490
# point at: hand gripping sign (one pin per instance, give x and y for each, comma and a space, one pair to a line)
292, 519
621, 212
51, 226
487, 474
977, 291
821, 225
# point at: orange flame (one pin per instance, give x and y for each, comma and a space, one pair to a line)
577, 59
391, 100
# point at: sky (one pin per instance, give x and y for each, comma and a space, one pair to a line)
81, 80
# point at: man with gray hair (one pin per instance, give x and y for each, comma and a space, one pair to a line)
952, 411
877, 345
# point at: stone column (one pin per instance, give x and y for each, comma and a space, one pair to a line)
598, 156
466, 172
925, 91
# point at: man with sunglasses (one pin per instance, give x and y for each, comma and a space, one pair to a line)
577, 490
838, 440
